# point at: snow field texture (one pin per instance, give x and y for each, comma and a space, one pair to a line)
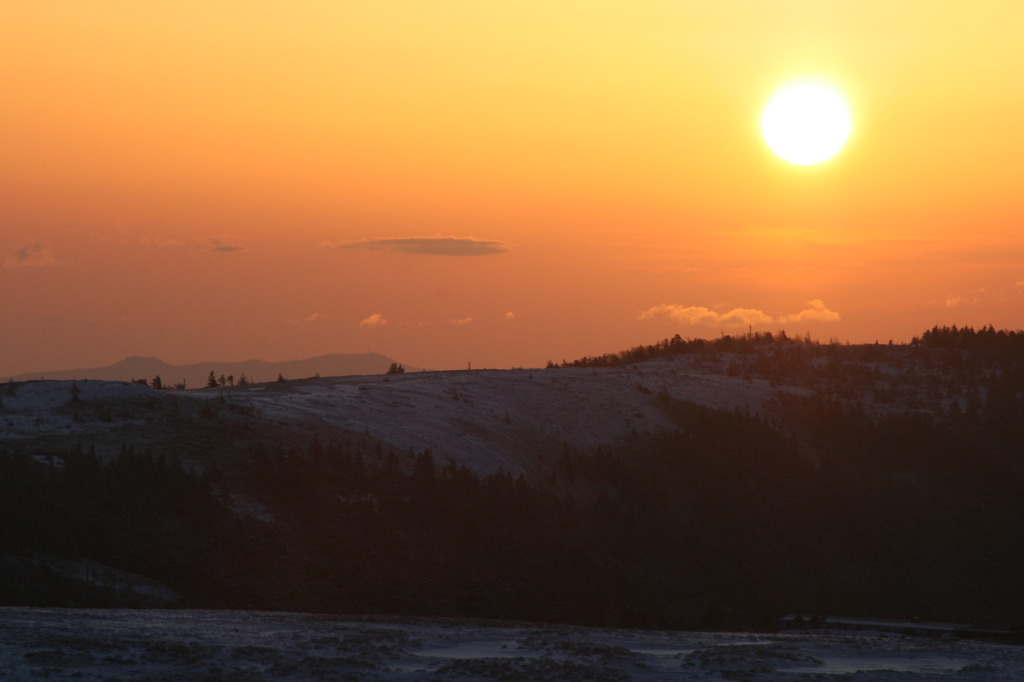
95, 645
488, 420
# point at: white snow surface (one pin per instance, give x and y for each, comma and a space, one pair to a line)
38, 407
144, 646
487, 420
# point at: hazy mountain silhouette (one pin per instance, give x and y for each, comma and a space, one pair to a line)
195, 375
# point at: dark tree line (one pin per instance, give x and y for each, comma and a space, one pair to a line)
1005, 344
996, 346
728, 521
136, 512
677, 345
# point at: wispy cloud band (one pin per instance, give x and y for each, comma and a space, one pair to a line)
699, 315
817, 312
431, 246
217, 246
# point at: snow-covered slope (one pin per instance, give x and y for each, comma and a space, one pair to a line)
486, 420
499, 419
47, 408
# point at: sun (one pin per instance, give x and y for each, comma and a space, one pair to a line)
806, 123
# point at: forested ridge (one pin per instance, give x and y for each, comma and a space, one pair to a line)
890, 489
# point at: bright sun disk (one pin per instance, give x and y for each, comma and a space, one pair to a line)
805, 124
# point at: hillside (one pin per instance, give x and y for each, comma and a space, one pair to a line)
686, 483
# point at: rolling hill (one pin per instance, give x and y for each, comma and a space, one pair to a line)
683, 484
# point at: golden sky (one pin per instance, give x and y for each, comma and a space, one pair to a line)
497, 183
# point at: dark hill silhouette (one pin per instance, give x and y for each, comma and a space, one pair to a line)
195, 375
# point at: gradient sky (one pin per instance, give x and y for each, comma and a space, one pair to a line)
497, 183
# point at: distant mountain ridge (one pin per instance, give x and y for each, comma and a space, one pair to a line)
195, 375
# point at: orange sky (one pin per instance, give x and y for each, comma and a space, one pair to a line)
499, 183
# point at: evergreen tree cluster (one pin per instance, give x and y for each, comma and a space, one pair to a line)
136, 512
1008, 345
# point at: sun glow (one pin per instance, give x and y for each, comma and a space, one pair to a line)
806, 124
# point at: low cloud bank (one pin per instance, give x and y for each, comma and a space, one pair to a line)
737, 317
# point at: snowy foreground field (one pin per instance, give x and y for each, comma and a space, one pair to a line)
65, 644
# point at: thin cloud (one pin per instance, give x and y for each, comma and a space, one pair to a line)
431, 246
157, 242
510, 315
737, 317
375, 320
33, 255
816, 313
699, 315
217, 246
312, 318
461, 322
